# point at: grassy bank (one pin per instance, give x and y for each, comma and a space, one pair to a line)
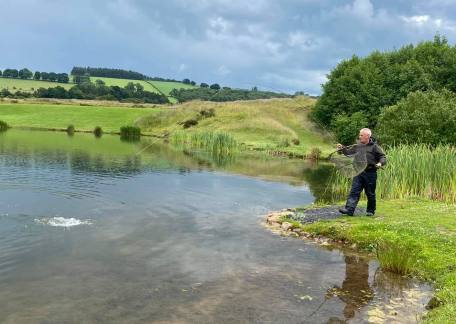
275, 125
419, 234
82, 117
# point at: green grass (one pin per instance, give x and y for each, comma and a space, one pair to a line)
29, 85
422, 229
268, 125
413, 171
60, 116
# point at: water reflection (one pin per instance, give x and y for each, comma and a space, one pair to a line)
355, 290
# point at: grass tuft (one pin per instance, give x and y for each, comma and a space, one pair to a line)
98, 131
130, 133
70, 130
3, 126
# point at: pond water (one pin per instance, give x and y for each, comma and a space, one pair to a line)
104, 231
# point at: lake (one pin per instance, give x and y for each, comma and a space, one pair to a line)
105, 231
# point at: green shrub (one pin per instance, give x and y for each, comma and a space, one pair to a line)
295, 141
130, 133
98, 131
346, 128
315, 154
421, 117
3, 126
190, 123
207, 113
70, 130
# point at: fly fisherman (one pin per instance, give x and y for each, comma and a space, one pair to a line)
368, 178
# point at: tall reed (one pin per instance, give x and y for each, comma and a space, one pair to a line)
213, 142
412, 171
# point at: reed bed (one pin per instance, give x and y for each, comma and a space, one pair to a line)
412, 171
213, 142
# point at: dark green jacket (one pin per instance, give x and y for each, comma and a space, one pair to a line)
374, 154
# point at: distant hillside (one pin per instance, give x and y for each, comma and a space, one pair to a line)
272, 124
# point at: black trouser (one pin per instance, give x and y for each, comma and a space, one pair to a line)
367, 180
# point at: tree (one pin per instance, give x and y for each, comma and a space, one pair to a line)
10, 73
186, 81
204, 85
382, 79
52, 76
63, 78
44, 76
0, 73
193, 83
215, 86
80, 79
25, 74
37, 75
422, 117
99, 82
347, 127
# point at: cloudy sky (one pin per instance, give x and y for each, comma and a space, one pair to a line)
285, 45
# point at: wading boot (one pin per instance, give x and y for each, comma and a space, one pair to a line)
345, 211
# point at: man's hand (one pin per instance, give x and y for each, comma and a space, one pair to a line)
378, 165
339, 146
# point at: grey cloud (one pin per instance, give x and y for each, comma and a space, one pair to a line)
288, 45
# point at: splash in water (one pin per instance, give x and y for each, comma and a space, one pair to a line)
63, 222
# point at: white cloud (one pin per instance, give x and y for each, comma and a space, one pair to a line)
308, 81
182, 67
222, 70
428, 22
417, 20
362, 8
306, 41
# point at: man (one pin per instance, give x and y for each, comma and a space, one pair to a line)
367, 179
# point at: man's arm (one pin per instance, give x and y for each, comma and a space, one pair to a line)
346, 150
380, 155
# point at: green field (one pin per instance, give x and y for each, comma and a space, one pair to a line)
60, 116
14, 85
152, 86
166, 87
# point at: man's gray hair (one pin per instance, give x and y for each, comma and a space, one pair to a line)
367, 131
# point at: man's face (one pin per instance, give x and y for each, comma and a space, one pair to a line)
363, 137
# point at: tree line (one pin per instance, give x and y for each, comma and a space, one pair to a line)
368, 92
216, 93
27, 74
132, 92
120, 74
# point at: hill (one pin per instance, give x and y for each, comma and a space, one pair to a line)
278, 125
